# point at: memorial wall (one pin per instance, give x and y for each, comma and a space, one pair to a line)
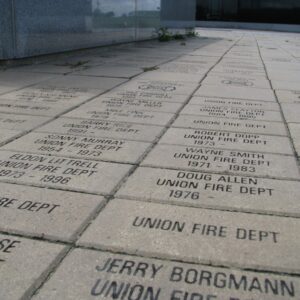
35, 27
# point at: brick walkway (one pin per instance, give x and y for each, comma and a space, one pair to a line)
154, 171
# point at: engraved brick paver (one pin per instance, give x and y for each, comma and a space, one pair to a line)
153, 171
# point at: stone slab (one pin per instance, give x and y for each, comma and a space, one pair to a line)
286, 85
215, 123
121, 115
236, 239
222, 161
95, 271
291, 112
237, 71
295, 134
32, 108
84, 83
223, 111
288, 96
111, 71
6, 135
17, 79
147, 96
199, 189
106, 149
227, 140
44, 213
184, 67
236, 93
17, 257
163, 75
20, 122
52, 95
98, 128
226, 80
239, 103
61, 173
159, 86
132, 102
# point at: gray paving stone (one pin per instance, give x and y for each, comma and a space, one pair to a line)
223, 111
111, 71
20, 122
286, 85
84, 83
6, 135
295, 134
17, 80
151, 96
227, 140
59, 172
98, 128
288, 96
197, 235
32, 108
17, 257
230, 102
227, 80
159, 86
95, 272
291, 112
80, 147
236, 93
222, 161
199, 189
52, 95
132, 102
237, 71
216, 123
163, 75
184, 68
121, 115
46, 213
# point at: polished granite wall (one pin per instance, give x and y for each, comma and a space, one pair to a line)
35, 27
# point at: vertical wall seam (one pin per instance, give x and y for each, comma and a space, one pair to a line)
14, 29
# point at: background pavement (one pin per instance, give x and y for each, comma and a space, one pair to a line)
153, 171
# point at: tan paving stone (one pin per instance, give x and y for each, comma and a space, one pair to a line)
227, 140
80, 147
97, 273
197, 235
18, 256
217, 191
222, 161
46, 213
99, 128
59, 172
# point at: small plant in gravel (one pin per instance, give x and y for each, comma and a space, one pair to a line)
178, 36
148, 69
164, 35
190, 32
